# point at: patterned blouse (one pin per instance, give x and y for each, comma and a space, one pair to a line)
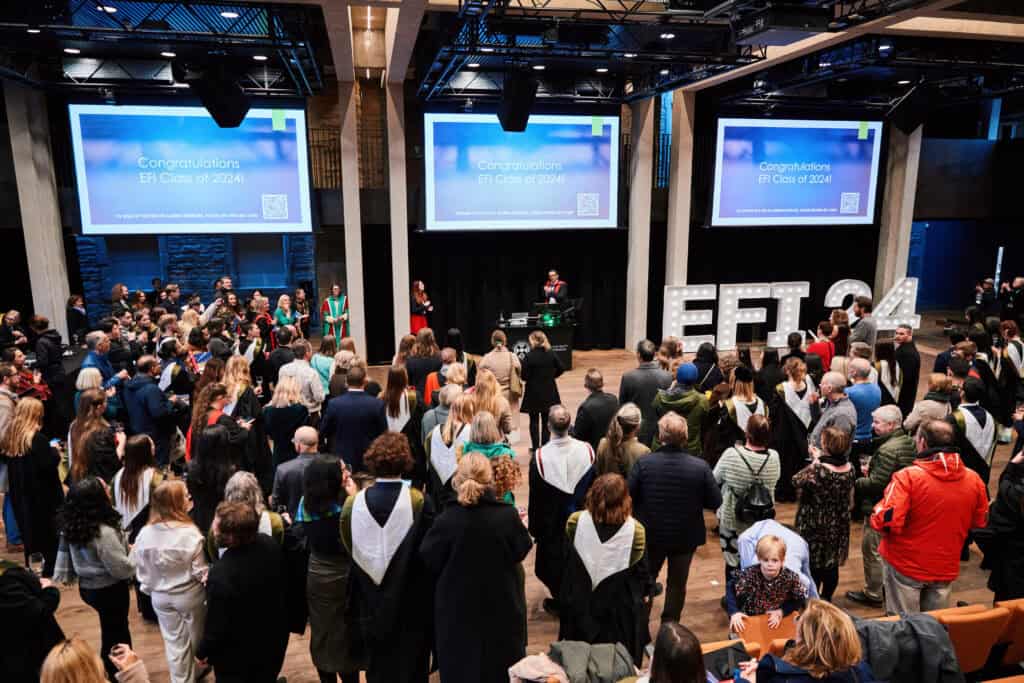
757, 594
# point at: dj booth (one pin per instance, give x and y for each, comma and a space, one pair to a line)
557, 322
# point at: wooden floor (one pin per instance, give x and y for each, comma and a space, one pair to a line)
702, 613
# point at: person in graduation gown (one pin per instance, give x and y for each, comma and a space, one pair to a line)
245, 405
419, 307
560, 474
606, 588
1011, 370
556, 290
975, 429
791, 423
475, 550
889, 373
442, 448
382, 527
727, 421
334, 313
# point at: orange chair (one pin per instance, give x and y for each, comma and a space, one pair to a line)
973, 634
757, 630
955, 611
778, 647
1014, 633
1011, 679
753, 649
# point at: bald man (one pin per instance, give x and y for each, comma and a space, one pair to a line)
288, 479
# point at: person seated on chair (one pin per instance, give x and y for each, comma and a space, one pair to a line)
768, 587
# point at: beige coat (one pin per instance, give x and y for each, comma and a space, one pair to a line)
925, 409
501, 362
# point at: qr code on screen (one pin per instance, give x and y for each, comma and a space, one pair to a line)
588, 204
849, 202
275, 206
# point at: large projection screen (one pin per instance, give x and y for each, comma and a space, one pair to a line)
562, 172
795, 172
167, 170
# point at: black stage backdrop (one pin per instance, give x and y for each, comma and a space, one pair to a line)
471, 277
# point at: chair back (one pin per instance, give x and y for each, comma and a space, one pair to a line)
974, 634
1013, 635
757, 630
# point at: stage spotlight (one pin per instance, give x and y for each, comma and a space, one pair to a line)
216, 86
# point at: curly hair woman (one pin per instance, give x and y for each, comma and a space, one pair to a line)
94, 549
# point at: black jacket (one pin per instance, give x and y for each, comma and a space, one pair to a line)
49, 359
909, 361
540, 368
36, 494
1002, 539
246, 632
640, 386
670, 490
78, 325
350, 423
418, 368
28, 628
278, 357
593, 417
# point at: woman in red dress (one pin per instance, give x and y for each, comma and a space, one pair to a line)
419, 306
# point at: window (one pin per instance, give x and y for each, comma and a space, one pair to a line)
134, 260
260, 262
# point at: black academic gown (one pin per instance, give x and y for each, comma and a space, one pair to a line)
479, 606
549, 510
789, 438
909, 360
1002, 539
257, 457
393, 620
720, 431
614, 611
36, 494
968, 453
441, 493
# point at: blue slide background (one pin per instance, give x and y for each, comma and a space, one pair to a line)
116, 186
740, 195
522, 198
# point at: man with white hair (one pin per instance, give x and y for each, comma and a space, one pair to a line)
834, 409
866, 396
894, 450
98, 344
560, 475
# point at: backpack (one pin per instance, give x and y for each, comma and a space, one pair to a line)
755, 504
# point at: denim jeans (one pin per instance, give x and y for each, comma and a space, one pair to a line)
904, 595
10, 523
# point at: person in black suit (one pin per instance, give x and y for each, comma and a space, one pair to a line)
641, 385
280, 356
78, 320
596, 411
540, 368
556, 291
246, 632
353, 420
909, 361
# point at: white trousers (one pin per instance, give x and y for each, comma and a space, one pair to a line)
182, 617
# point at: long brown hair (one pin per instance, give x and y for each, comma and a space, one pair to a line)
626, 423
204, 400
460, 413
487, 393
426, 344
26, 421
212, 372
138, 456
405, 345
420, 296
398, 383
91, 404
169, 503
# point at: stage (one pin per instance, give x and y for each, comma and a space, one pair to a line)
702, 613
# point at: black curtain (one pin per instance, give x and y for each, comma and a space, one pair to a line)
472, 277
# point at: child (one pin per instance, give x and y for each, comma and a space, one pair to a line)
765, 588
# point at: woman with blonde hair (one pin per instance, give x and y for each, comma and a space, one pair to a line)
90, 378
338, 384
487, 393
171, 566
619, 450
791, 423
728, 420
827, 648
605, 594
540, 369
486, 439
33, 481
285, 316
244, 404
504, 364
443, 445
479, 543
282, 416
75, 661
189, 321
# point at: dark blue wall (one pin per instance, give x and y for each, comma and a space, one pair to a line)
274, 264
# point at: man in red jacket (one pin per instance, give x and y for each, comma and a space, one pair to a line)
924, 518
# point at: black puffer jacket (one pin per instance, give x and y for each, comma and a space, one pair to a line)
49, 359
670, 490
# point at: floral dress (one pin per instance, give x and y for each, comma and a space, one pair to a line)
823, 518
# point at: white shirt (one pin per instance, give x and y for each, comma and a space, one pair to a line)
311, 389
169, 558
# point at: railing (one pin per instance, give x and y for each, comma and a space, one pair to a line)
325, 157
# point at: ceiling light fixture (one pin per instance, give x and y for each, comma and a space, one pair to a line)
487, 49
474, 65
169, 55
228, 14
539, 67
664, 72
260, 58
602, 69
668, 36
903, 82
629, 55
109, 9
33, 30
72, 50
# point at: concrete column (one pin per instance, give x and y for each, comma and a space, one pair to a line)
28, 125
399, 211
641, 169
347, 95
897, 209
680, 185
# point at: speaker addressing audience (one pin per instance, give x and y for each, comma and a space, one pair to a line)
556, 290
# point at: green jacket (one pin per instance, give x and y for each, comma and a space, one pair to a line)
892, 453
692, 405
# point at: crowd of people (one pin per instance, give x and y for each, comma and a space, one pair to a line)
244, 482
